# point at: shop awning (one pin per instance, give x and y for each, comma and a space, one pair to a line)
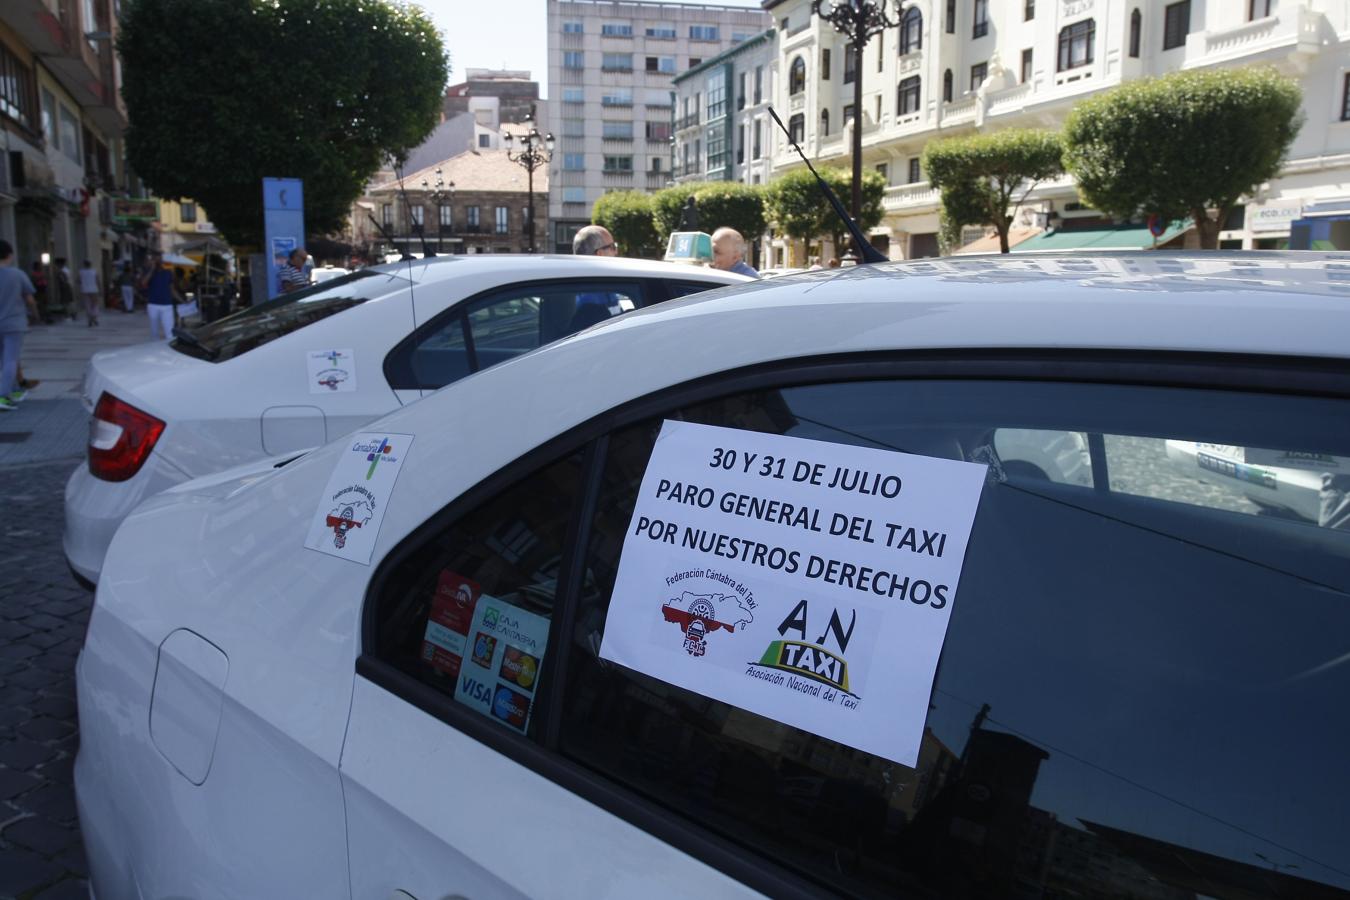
1113, 237
989, 243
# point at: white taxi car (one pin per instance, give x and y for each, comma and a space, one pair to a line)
300, 370
759, 610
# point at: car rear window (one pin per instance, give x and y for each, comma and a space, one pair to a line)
257, 325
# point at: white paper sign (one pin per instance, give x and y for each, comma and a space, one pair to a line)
500, 670
331, 371
805, 581
353, 505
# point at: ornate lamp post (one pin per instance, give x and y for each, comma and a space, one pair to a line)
535, 150
440, 191
859, 21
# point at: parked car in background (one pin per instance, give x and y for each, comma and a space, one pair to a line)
302, 369
327, 273
680, 628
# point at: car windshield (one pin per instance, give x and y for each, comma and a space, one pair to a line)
257, 325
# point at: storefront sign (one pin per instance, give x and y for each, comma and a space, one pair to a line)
805, 581
1273, 216
130, 209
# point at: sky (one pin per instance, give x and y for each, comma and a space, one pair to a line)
502, 34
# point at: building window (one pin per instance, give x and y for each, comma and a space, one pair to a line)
947, 86
740, 143
70, 133
907, 96
617, 131
1075, 44
1026, 65
796, 77
658, 131
914, 175
951, 16
656, 165
574, 59
757, 150
911, 31
978, 73
717, 95
471, 217
18, 98
574, 162
850, 65
574, 95
663, 64
617, 62
980, 19
1259, 9
660, 33
797, 128
445, 217
573, 127
848, 115
574, 195
572, 28
484, 141
1176, 24
615, 29
740, 92
617, 97
824, 123
618, 165
416, 216
503, 220
187, 212
825, 64
883, 171
1136, 29
703, 32
386, 215
1345, 99
1029, 10
759, 83
695, 62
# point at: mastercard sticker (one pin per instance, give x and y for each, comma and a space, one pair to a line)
519, 668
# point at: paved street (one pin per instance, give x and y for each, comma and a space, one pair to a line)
43, 612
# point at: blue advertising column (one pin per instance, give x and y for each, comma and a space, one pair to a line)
283, 224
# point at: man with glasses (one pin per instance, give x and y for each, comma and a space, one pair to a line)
594, 240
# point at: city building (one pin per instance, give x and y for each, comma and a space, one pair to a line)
610, 68
953, 67
721, 114
515, 94
62, 119
475, 202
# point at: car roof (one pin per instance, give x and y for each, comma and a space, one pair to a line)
531, 266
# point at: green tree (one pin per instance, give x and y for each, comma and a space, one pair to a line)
980, 174
797, 207
733, 205
222, 93
1187, 144
668, 207
628, 216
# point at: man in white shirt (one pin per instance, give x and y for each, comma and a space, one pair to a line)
89, 290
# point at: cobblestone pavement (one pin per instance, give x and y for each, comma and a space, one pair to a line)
43, 613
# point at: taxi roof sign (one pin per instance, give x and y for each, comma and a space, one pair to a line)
693, 247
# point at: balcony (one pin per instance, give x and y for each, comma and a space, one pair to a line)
1014, 99
686, 122
909, 197
657, 180
1290, 32
959, 112
624, 174
55, 30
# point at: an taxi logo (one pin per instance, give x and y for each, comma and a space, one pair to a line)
809, 661
699, 615
331, 378
347, 516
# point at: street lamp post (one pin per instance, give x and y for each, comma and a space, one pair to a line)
439, 191
535, 150
859, 21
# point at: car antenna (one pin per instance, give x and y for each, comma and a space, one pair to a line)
869, 253
407, 204
407, 256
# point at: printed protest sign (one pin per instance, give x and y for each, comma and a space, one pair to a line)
353, 504
331, 371
504, 650
805, 581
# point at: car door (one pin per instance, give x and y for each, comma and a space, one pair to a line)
1105, 683
504, 323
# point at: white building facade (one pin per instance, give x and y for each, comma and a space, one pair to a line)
610, 67
954, 67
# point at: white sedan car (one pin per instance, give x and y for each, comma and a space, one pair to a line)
302, 369
758, 609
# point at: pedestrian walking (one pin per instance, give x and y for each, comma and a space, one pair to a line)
89, 290
127, 283
291, 277
65, 288
161, 295
38, 276
17, 308
729, 252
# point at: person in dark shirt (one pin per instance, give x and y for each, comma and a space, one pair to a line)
161, 295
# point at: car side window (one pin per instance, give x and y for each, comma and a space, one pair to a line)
1128, 643
678, 289
468, 611
504, 324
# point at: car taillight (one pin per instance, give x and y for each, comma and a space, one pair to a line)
120, 438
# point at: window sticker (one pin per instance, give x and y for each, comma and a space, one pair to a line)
448, 623
505, 646
802, 580
353, 504
331, 371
